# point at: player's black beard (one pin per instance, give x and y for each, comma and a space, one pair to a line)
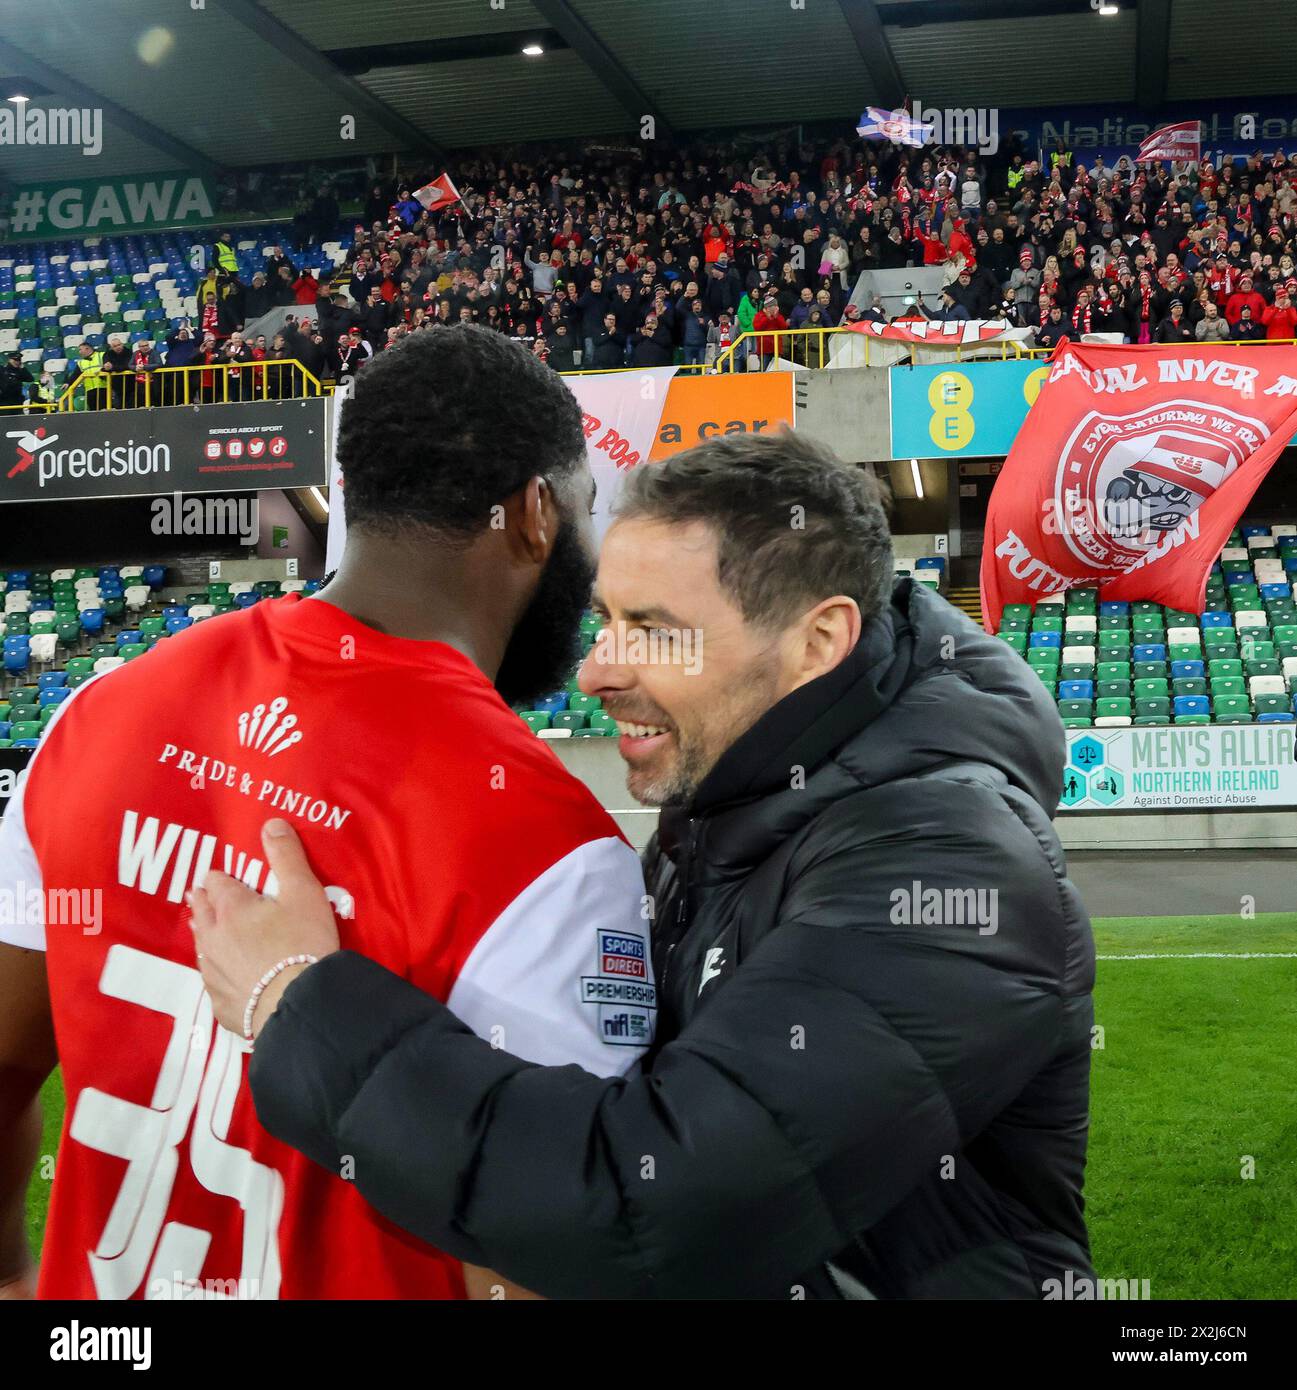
546, 646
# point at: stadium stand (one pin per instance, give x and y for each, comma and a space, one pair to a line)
613, 263
63, 625
1111, 665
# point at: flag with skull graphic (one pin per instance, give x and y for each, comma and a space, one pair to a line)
1132, 468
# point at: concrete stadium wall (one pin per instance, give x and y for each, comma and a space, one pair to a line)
848, 410
597, 763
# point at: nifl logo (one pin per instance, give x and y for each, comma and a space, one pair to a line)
263, 729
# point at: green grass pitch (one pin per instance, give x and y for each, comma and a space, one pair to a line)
1193, 1085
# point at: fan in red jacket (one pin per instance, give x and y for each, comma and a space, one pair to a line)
1280, 319
1245, 294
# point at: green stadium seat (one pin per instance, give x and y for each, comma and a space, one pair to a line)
1268, 667
1011, 610
1233, 706
1227, 685
1112, 671
1075, 722
586, 704
1112, 708
1043, 656
1112, 690
1157, 708
568, 719
26, 728
1192, 719
1149, 670
1263, 704
535, 719
603, 723
1017, 640
1189, 685
80, 665
1224, 667
1044, 623
1075, 671
1076, 709
1153, 687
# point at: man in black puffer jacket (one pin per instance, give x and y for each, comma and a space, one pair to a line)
871, 1075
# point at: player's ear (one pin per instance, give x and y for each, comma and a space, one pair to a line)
532, 517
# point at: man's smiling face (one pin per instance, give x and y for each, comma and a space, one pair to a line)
677, 665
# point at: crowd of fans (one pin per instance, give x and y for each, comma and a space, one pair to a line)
612, 263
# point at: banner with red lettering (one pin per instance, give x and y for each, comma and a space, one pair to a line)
1132, 468
631, 418
936, 332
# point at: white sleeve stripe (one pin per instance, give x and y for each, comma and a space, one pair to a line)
564, 974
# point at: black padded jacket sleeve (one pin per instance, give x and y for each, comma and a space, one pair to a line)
838, 1067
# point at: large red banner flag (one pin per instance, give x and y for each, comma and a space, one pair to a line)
1132, 468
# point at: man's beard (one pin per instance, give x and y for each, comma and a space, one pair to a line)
545, 646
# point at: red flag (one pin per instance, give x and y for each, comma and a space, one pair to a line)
1182, 141
1132, 468
440, 193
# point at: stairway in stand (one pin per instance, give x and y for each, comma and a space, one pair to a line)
968, 600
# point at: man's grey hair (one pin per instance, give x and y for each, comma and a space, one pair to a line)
794, 524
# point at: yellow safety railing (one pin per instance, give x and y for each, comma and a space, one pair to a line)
201, 384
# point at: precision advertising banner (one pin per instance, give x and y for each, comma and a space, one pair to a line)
1131, 470
631, 418
122, 453
1222, 767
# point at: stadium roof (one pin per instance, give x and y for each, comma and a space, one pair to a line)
242, 82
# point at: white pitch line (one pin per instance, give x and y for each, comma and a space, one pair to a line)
1208, 955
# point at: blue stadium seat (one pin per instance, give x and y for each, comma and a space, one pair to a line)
54, 695
1154, 651
1046, 639
92, 619
128, 637
1191, 704
1187, 670
1112, 609
47, 679
1067, 690
1217, 619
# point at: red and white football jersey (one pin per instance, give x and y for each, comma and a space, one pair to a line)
458, 852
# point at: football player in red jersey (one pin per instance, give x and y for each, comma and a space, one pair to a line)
374, 716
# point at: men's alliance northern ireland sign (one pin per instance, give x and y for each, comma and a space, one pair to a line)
1131, 470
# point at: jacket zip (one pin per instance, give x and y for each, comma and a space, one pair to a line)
682, 903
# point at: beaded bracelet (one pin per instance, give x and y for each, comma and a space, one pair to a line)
260, 987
